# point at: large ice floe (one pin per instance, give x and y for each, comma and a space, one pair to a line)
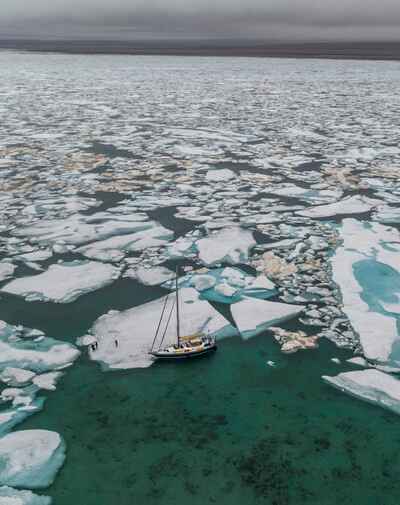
124, 338
64, 283
11, 496
370, 385
30, 458
366, 268
253, 316
356, 204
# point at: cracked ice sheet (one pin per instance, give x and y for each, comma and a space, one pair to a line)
369, 385
31, 458
115, 248
63, 283
351, 205
78, 229
253, 316
134, 330
366, 269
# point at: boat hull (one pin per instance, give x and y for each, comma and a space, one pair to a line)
182, 356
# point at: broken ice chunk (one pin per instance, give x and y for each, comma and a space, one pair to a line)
223, 174
10, 496
30, 458
153, 276
65, 282
253, 316
6, 270
370, 385
356, 204
229, 245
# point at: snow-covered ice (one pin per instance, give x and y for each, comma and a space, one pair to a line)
30, 458
356, 204
366, 268
11, 496
253, 316
124, 338
6, 270
65, 282
44, 356
370, 385
229, 245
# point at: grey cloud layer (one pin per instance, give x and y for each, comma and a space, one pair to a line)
233, 19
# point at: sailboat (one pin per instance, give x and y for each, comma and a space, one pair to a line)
186, 346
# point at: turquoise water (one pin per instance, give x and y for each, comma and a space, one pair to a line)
223, 429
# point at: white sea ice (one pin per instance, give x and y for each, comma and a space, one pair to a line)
223, 174
43, 356
203, 282
229, 245
30, 458
6, 270
78, 229
124, 338
366, 269
356, 204
153, 276
64, 283
16, 376
47, 380
370, 385
10, 496
39, 255
114, 248
253, 316
388, 215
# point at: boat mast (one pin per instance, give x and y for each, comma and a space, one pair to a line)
177, 307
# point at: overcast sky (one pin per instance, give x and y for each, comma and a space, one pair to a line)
264, 20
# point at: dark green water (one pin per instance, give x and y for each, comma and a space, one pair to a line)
227, 429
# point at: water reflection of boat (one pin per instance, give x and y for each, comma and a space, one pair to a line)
188, 346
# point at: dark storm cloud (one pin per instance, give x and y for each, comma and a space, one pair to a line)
283, 20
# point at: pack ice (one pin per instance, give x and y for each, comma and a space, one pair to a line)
64, 283
366, 269
124, 338
30, 458
370, 385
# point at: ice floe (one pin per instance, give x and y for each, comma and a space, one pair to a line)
124, 338
370, 385
30, 458
64, 283
11, 496
356, 204
253, 316
229, 245
366, 268
6, 270
18, 351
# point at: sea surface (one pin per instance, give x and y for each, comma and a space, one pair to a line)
249, 424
